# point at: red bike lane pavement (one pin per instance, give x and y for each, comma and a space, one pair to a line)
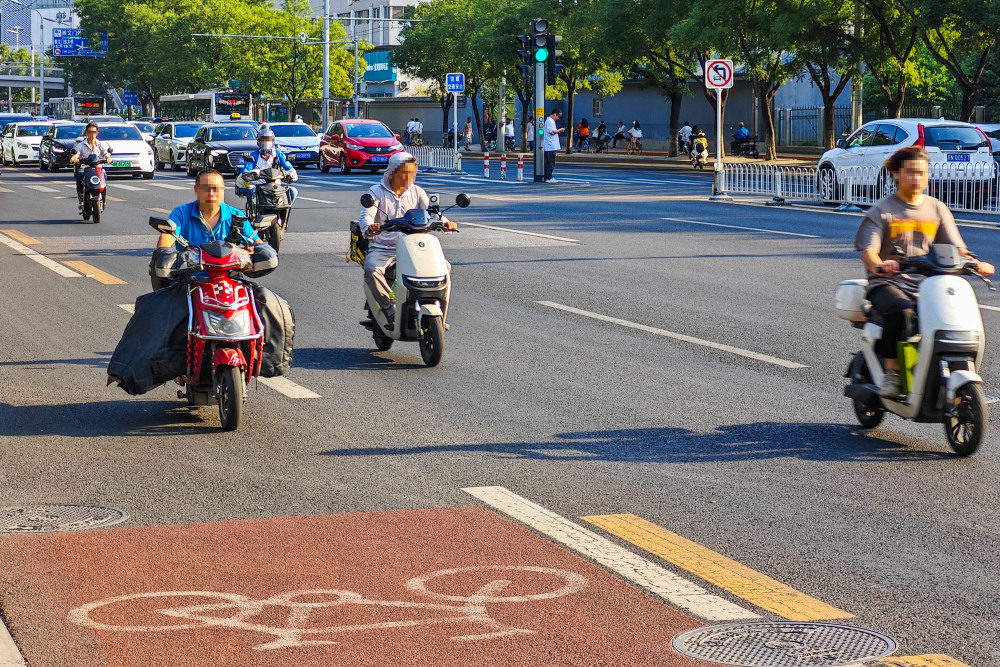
453, 586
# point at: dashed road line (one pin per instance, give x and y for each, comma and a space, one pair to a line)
168, 186
288, 388
25, 239
756, 588
130, 188
673, 588
158, 210
980, 305
752, 229
41, 188
518, 231
318, 201
307, 185
93, 272
32, 175
63, 271
110, 198
127, 307
5, 190
670, 334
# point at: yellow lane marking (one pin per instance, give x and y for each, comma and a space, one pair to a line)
95, 273
752, 586
158, 210
929, 660
31, 175
114, 199
19, 236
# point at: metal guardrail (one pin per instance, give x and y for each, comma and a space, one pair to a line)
432, 158
962, 187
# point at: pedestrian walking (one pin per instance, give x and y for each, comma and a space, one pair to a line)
531, 134
467, 133
408, 131
683, 137
551, 143
508, 134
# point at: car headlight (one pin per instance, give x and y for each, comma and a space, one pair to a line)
219, 152
355, 147
424, 283
21, 144
396, 147
57, 149
217, 324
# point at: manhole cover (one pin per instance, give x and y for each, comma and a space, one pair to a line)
784, 644
56, 518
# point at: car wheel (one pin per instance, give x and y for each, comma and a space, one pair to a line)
826, 184
324, 167
51, 166
189, 168
173, 162
156, 161
148, 175
345, 169
41, 163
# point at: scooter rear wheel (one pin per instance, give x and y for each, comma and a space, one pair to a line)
382, 342
96, 211
967, 428
231, 395
432, 341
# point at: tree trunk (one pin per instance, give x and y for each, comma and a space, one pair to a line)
570, 108
675, 120
766, 92
970, 98
476, 116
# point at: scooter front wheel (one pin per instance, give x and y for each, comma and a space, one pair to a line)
96, 211
432, 341
382, 342
967, 427
231, 396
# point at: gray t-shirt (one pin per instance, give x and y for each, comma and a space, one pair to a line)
913, 228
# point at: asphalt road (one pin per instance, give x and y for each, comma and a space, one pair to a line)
755, 456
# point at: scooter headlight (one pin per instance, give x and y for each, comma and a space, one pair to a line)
217, 324
424, 283
959, 336
95, 180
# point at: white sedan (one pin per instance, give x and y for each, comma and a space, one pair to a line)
20, 142
131, 155
298, 142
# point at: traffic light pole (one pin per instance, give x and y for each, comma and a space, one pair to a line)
539, 122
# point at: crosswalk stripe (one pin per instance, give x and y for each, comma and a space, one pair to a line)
168, 186
673, 588
41, 188
307, 185
127, 307
110, 198
288, 388
130, 188
318, 201
159, 210
754, 587
20, 236
93, 272
10, 192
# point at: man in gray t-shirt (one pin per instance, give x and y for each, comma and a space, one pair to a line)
903, 225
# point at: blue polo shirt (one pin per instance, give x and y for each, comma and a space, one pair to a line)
187, 217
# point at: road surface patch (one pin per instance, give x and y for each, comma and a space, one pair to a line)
130, 188
673, 588
93, 272
52, 265
21, 237
756, 588
751, 229
41, 188
670, 334
453, 586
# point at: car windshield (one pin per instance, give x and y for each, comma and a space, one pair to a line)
297, 130
31, 130
953, 138
368, 131
235, 133
68, 131
144, 127
118, 133
184, 130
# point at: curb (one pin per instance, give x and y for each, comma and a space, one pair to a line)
10, 655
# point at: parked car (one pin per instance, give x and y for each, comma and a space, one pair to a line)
221, 146
961, 146
20, 142
57, 145
992, 132
170, 145
298, 142
132, 155
357, 143
145, 129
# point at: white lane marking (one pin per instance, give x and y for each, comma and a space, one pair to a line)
10, 192
128, 308
673, 588
306, 185
752, 229
518, 231
42, 188
63, 271
990, 308
670, 334
122, 186
288, 388
169, 186
10, 656
319, 201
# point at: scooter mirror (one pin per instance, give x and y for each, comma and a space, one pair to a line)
264, 221
163, 226
367, 200
462, 200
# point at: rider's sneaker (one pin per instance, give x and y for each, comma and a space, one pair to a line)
890, 384
552, 180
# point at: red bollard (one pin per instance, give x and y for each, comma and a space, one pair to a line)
520, 166
503, 167
486, 165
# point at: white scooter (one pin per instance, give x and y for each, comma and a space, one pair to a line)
421, 282
938, 368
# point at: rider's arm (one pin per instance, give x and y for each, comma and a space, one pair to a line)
369, 217
167, 240
868, 239
287, 166
948, 233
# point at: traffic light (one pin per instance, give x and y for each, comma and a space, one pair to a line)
540, 40
524, 43
553, 55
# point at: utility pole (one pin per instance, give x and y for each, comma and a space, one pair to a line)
859, 72
326, 66
539, 43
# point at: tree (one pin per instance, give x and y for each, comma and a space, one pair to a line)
892, 34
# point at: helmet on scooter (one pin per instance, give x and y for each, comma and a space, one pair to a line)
265, 140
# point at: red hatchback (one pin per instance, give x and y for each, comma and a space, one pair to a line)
357, 144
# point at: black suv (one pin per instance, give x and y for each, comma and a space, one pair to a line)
221, 146
57, 145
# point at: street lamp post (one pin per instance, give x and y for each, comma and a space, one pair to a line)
17, 33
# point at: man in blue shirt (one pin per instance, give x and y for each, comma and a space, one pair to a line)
207, 218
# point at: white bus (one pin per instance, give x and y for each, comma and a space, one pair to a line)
79, 107
207, 106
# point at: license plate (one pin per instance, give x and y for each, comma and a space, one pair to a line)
380, 158
121, 164
304, 156
237, 161
958, 157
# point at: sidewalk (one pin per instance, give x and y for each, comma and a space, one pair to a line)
650, 158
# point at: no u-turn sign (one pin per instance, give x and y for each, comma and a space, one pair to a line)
719, 74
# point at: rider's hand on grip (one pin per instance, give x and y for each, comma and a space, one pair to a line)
888, 267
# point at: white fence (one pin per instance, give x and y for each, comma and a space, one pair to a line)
433, 158
963, 187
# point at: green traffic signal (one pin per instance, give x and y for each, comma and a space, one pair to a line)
541, 55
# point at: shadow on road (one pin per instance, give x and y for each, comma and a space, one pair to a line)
347, 359
738, 442
102, 418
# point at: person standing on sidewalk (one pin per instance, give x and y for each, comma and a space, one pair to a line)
683, 137
467, 133
551, 143
531, 134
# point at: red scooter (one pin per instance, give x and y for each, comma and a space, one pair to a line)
225, 335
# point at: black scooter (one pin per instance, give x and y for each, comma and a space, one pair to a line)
95, 190
272, 197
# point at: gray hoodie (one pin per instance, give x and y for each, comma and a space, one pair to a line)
388, 205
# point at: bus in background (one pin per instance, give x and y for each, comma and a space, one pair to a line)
210, 106
79, 107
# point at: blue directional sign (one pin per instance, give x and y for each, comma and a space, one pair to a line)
455, 82
130, 98
70, 42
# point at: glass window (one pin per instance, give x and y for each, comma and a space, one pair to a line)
368, 131
234, 133
954, 138
185, 130
884, 135
862, 137
118, 133
31, 130
144, 127
201, 134
296, 130
67, 131
598, 107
